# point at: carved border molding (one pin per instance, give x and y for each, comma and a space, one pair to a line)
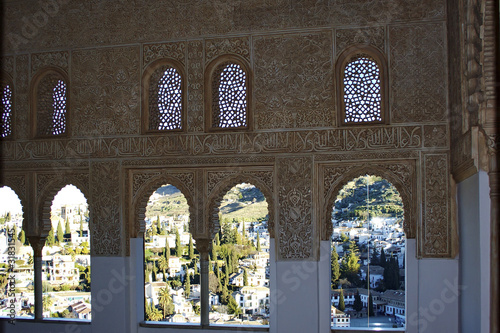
306, 141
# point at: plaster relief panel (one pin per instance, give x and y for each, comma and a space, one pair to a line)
418, 73
437, 231
295, 229
296, 88
49, 59
106, 228
218, 47
374, 36
106, 91
152, 52
195, 73
21, 98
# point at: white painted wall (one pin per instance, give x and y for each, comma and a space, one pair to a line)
474, 229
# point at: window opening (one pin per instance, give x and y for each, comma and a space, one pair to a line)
239, 261
6, 111
230, 104
368, 256
168, 100
66, 267
172, 263
59, 107
362, 92
16, 262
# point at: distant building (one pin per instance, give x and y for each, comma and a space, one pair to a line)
339, 318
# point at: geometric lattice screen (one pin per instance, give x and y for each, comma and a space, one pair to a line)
51, 106
362, 97
6, 111
165, 99
229, 108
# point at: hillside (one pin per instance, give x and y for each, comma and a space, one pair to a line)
384, 200
242, 201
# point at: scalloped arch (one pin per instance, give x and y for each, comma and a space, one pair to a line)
224, 186
47, 196
365, 169
21, 198
142, 198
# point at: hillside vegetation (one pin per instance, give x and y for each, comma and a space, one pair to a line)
243, 201
383, 200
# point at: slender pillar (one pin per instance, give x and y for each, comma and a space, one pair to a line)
495, 251
37, 243
203, 246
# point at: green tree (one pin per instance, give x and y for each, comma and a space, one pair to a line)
163, 266
375, 260
349, 267
165, 302
245, 277
81, 227
335, 267
152, 313
67, 229
258, 242
22, 237
391, 274
60, 234
341, 306
47, 302
343, 237
382, 260
191, 248
214, 250
233, 307
187, 285
178, 250
358, 305
370, 306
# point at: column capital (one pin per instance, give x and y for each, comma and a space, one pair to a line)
37, 243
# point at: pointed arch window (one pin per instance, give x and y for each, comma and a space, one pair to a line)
164, 97
7, 107
50, 103
228, 97
362, 86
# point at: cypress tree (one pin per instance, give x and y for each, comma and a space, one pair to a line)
245, 277
22, 237
191, 249
370, 306
214, 251
335, 267
341, 300
187, 285
81, 228
59, 233
258, 241
358, 305
382, 259
50, 238
178, 251
67, 229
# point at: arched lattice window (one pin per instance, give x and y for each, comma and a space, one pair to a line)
361, 86
229, 94
164, 104
50, 105
7, 98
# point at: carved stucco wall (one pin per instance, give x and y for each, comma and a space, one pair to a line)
291, 48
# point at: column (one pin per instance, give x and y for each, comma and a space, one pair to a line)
203, 246
37, 243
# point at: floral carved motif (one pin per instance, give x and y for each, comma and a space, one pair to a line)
418, 73
295, 228
57, 59
217, 47
21, 98
436, 230
374, 36
435, 136
106, 91
7, 64
294, 90
152, 52
106, 229
195, 69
